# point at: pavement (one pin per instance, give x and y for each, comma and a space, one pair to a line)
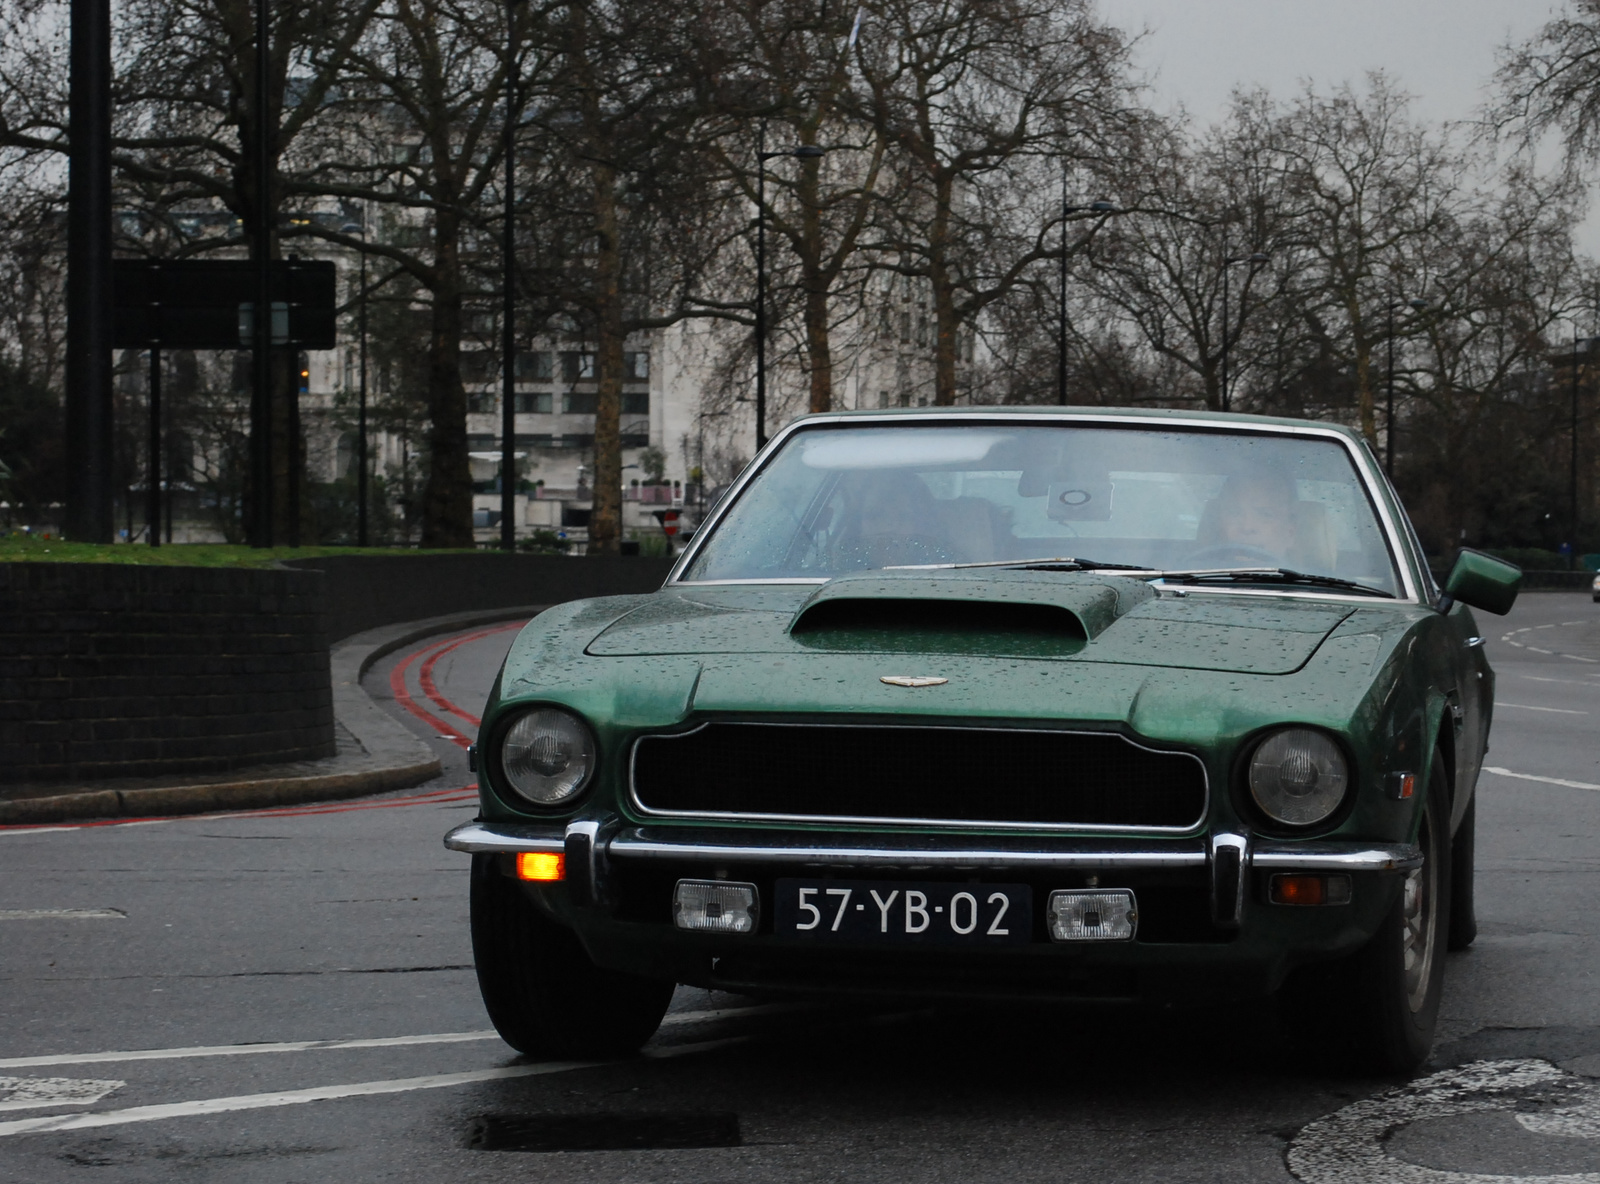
287, 995
374, 754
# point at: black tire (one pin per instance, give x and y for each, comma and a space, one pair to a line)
1463, 856
1370, 1012
543, 994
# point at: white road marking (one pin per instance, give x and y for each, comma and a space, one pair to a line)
237, 1050
1348, 1147
62, 915
1531, 707
1571, 682
1534, 777
293, 1097
27, 1093
1533, 649
35, 830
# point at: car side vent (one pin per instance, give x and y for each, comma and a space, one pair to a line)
940, 626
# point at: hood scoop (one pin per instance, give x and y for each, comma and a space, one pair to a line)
983, 611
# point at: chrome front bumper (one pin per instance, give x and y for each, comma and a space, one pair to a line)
587, 845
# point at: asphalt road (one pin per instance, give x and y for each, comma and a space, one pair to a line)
297, 986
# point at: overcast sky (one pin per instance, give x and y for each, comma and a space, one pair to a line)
1442, 51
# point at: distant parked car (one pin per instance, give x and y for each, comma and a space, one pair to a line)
1595, 587
1000, 702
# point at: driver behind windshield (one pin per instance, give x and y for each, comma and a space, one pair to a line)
1258, 519
892, 519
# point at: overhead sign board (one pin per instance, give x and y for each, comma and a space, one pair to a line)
210, 303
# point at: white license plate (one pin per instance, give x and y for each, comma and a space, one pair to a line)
899, 912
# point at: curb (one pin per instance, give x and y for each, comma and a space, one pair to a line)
391, 757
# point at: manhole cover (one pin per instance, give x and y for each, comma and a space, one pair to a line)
602, 1132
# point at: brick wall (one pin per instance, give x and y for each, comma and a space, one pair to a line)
123, 671
365, 591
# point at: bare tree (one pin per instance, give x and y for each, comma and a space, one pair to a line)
984, 101
419, 134
799, 80
625, 219
1551, 83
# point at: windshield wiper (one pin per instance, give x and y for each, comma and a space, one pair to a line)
1270, 575
1046, 563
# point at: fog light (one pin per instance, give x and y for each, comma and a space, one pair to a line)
542, 867
1309, 890
1093, 916
715, 906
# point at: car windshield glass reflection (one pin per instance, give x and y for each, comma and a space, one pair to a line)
838, 499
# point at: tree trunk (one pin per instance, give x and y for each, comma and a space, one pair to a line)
605, 523
447, 495
944, 297
819, 354
1364, 397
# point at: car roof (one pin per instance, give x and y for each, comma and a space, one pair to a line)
1155, 415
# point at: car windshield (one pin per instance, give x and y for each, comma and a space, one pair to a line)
842, 498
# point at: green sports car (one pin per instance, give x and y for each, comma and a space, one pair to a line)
1000, 702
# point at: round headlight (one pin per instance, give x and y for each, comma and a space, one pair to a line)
547, 756
1298, 776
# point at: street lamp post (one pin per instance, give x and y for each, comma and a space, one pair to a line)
262, 525
1572, 476
90, 515
803, 152
1096, 207
1255, 260
1388, 413
508, 298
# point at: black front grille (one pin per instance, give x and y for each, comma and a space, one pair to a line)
979, 775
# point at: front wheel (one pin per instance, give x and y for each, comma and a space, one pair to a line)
1398, 977
543, 994
1375, 1011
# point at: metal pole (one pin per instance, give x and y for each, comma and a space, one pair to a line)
508, 302
761, 287
153, 462
261, 533
90, 515
1572, 489
1061, 297
301, 371
361, 402
1224, 394
1388, 415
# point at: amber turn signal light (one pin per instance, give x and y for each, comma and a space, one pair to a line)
1402, 786
542, 867
1306, 890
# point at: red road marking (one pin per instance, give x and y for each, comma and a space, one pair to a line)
402, 696
425, 674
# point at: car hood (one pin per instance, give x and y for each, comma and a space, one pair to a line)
978, 616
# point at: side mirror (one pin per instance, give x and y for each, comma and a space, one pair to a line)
1482, 581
